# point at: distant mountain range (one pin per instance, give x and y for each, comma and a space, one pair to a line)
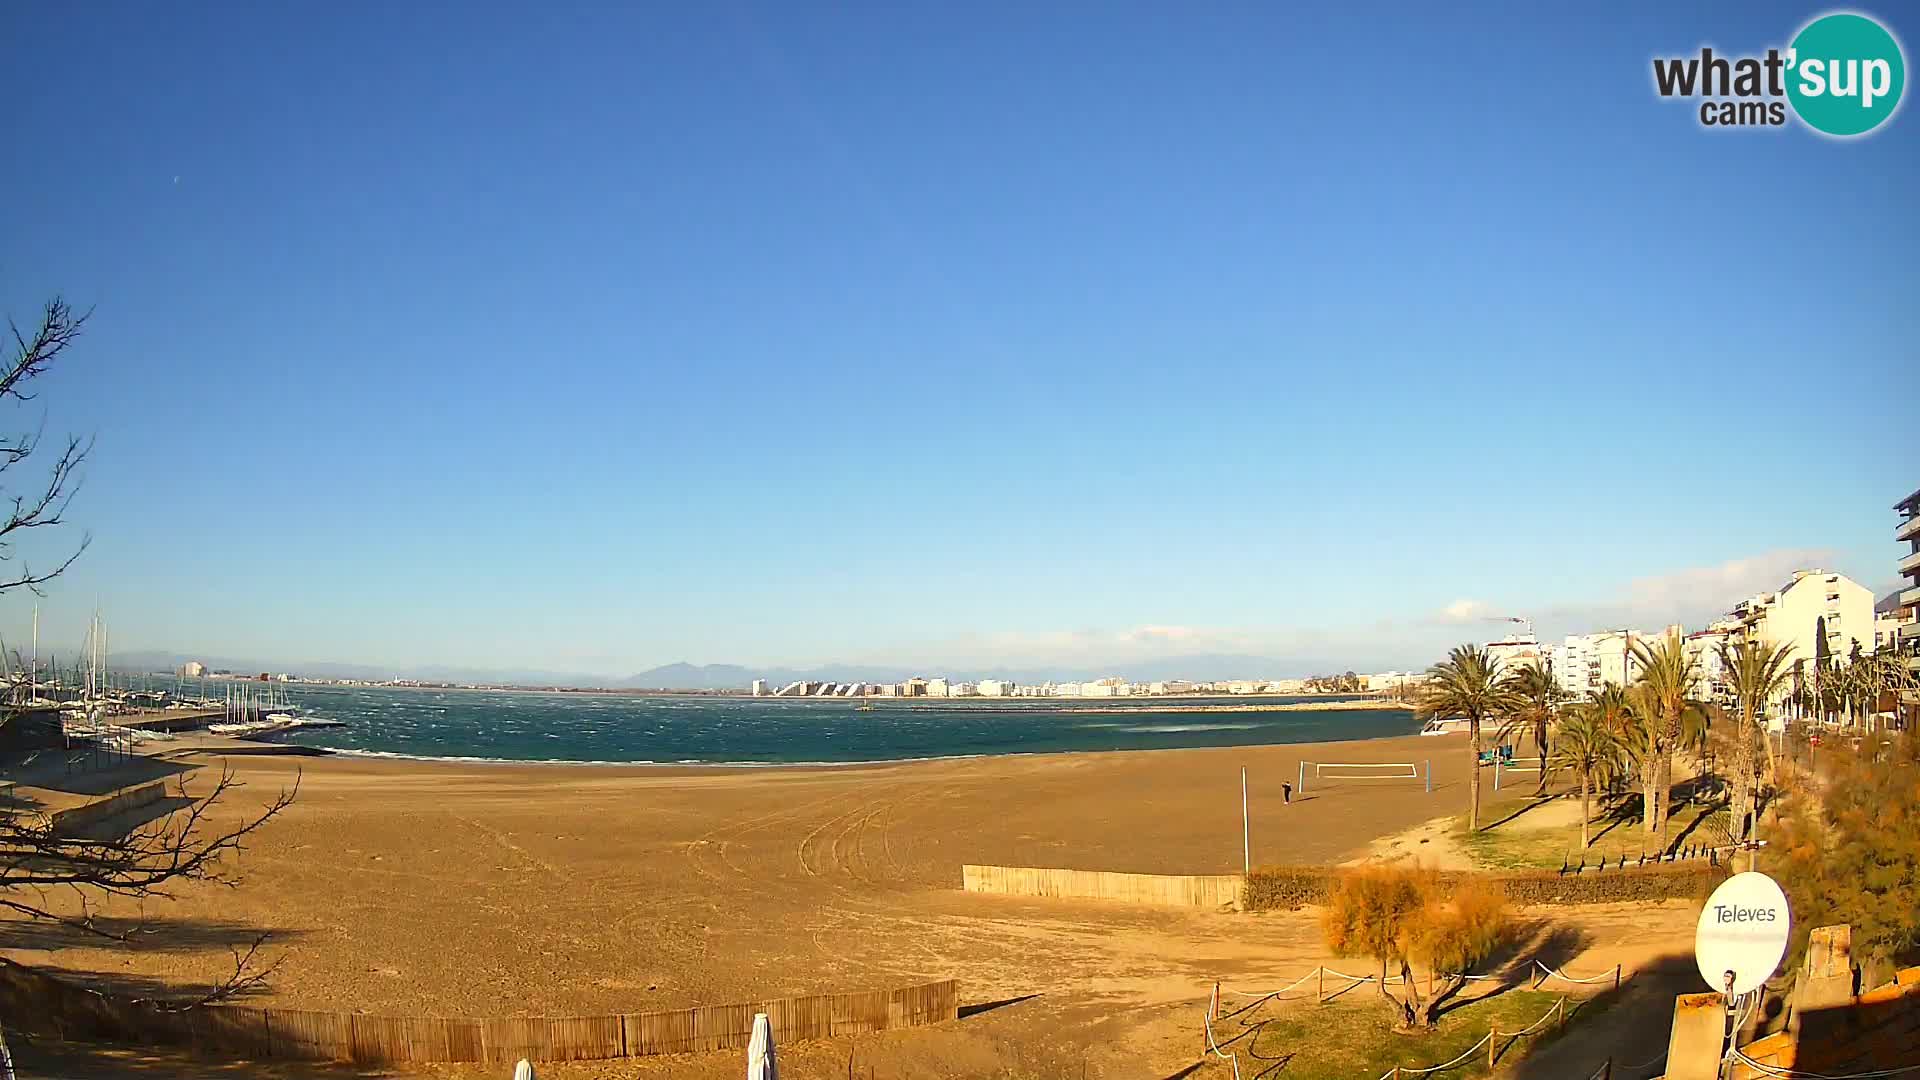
686, 676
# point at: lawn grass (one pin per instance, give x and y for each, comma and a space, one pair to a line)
1354, 1037
1509, 842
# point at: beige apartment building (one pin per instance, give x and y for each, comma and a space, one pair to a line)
1817, 614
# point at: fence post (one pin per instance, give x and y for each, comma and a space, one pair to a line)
1320, 987
1493, 1045
1562, 1023
1616, 986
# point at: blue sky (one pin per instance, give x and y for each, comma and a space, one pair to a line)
595, 338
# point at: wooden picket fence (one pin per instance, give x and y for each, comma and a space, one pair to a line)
34, 1001
1175, 890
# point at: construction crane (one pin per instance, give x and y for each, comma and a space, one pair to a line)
1521, 619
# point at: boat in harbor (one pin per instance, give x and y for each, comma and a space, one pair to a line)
272, 724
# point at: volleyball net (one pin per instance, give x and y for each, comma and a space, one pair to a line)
1321, 775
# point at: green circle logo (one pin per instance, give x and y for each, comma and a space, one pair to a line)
1845, 73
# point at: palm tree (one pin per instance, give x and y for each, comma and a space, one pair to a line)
1759, 674
1536, 693
1467, 684
1583, 743
1662, 699
1612, 708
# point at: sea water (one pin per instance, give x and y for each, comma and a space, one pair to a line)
588, 727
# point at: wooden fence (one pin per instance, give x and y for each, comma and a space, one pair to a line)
1176, 890
34, 1001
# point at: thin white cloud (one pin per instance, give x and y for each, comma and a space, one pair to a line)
1464, 611
1164, 633
1692, 596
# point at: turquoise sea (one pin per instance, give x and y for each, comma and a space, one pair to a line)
520, 726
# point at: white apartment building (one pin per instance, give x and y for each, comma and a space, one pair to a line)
1710, 681
759, 688
937, 688
1516, 650
1886, 630
1817, 614
995, 688
1584, 663
1387, 680
1907, 600
1906, 606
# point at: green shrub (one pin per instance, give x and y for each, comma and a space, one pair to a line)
1285, 888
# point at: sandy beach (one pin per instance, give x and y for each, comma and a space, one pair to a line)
438, 888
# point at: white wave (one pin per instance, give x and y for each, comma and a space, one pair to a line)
1173, 729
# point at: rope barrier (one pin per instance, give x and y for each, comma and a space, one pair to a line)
1395, 980
1646, 1064
1558, 1008
1796, 1074
1544, 1017
1232, 1059
1471, 1050
1563, 975
1356, 978
1276, 993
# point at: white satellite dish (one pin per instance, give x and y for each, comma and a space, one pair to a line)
1743, 932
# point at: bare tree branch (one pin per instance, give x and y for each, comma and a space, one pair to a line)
141, 863
43, 506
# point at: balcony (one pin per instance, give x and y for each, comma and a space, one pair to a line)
1911, 563
1908, 529
1910, 597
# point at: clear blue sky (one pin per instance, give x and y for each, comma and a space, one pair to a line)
592, 339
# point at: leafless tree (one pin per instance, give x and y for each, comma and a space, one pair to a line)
40, 863
42, 504
48, 873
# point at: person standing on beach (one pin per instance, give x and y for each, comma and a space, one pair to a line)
1286, 792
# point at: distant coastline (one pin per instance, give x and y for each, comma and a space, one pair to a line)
1252, 707
1321, 699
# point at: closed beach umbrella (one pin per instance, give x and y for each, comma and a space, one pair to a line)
760, 1064
524, 1070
